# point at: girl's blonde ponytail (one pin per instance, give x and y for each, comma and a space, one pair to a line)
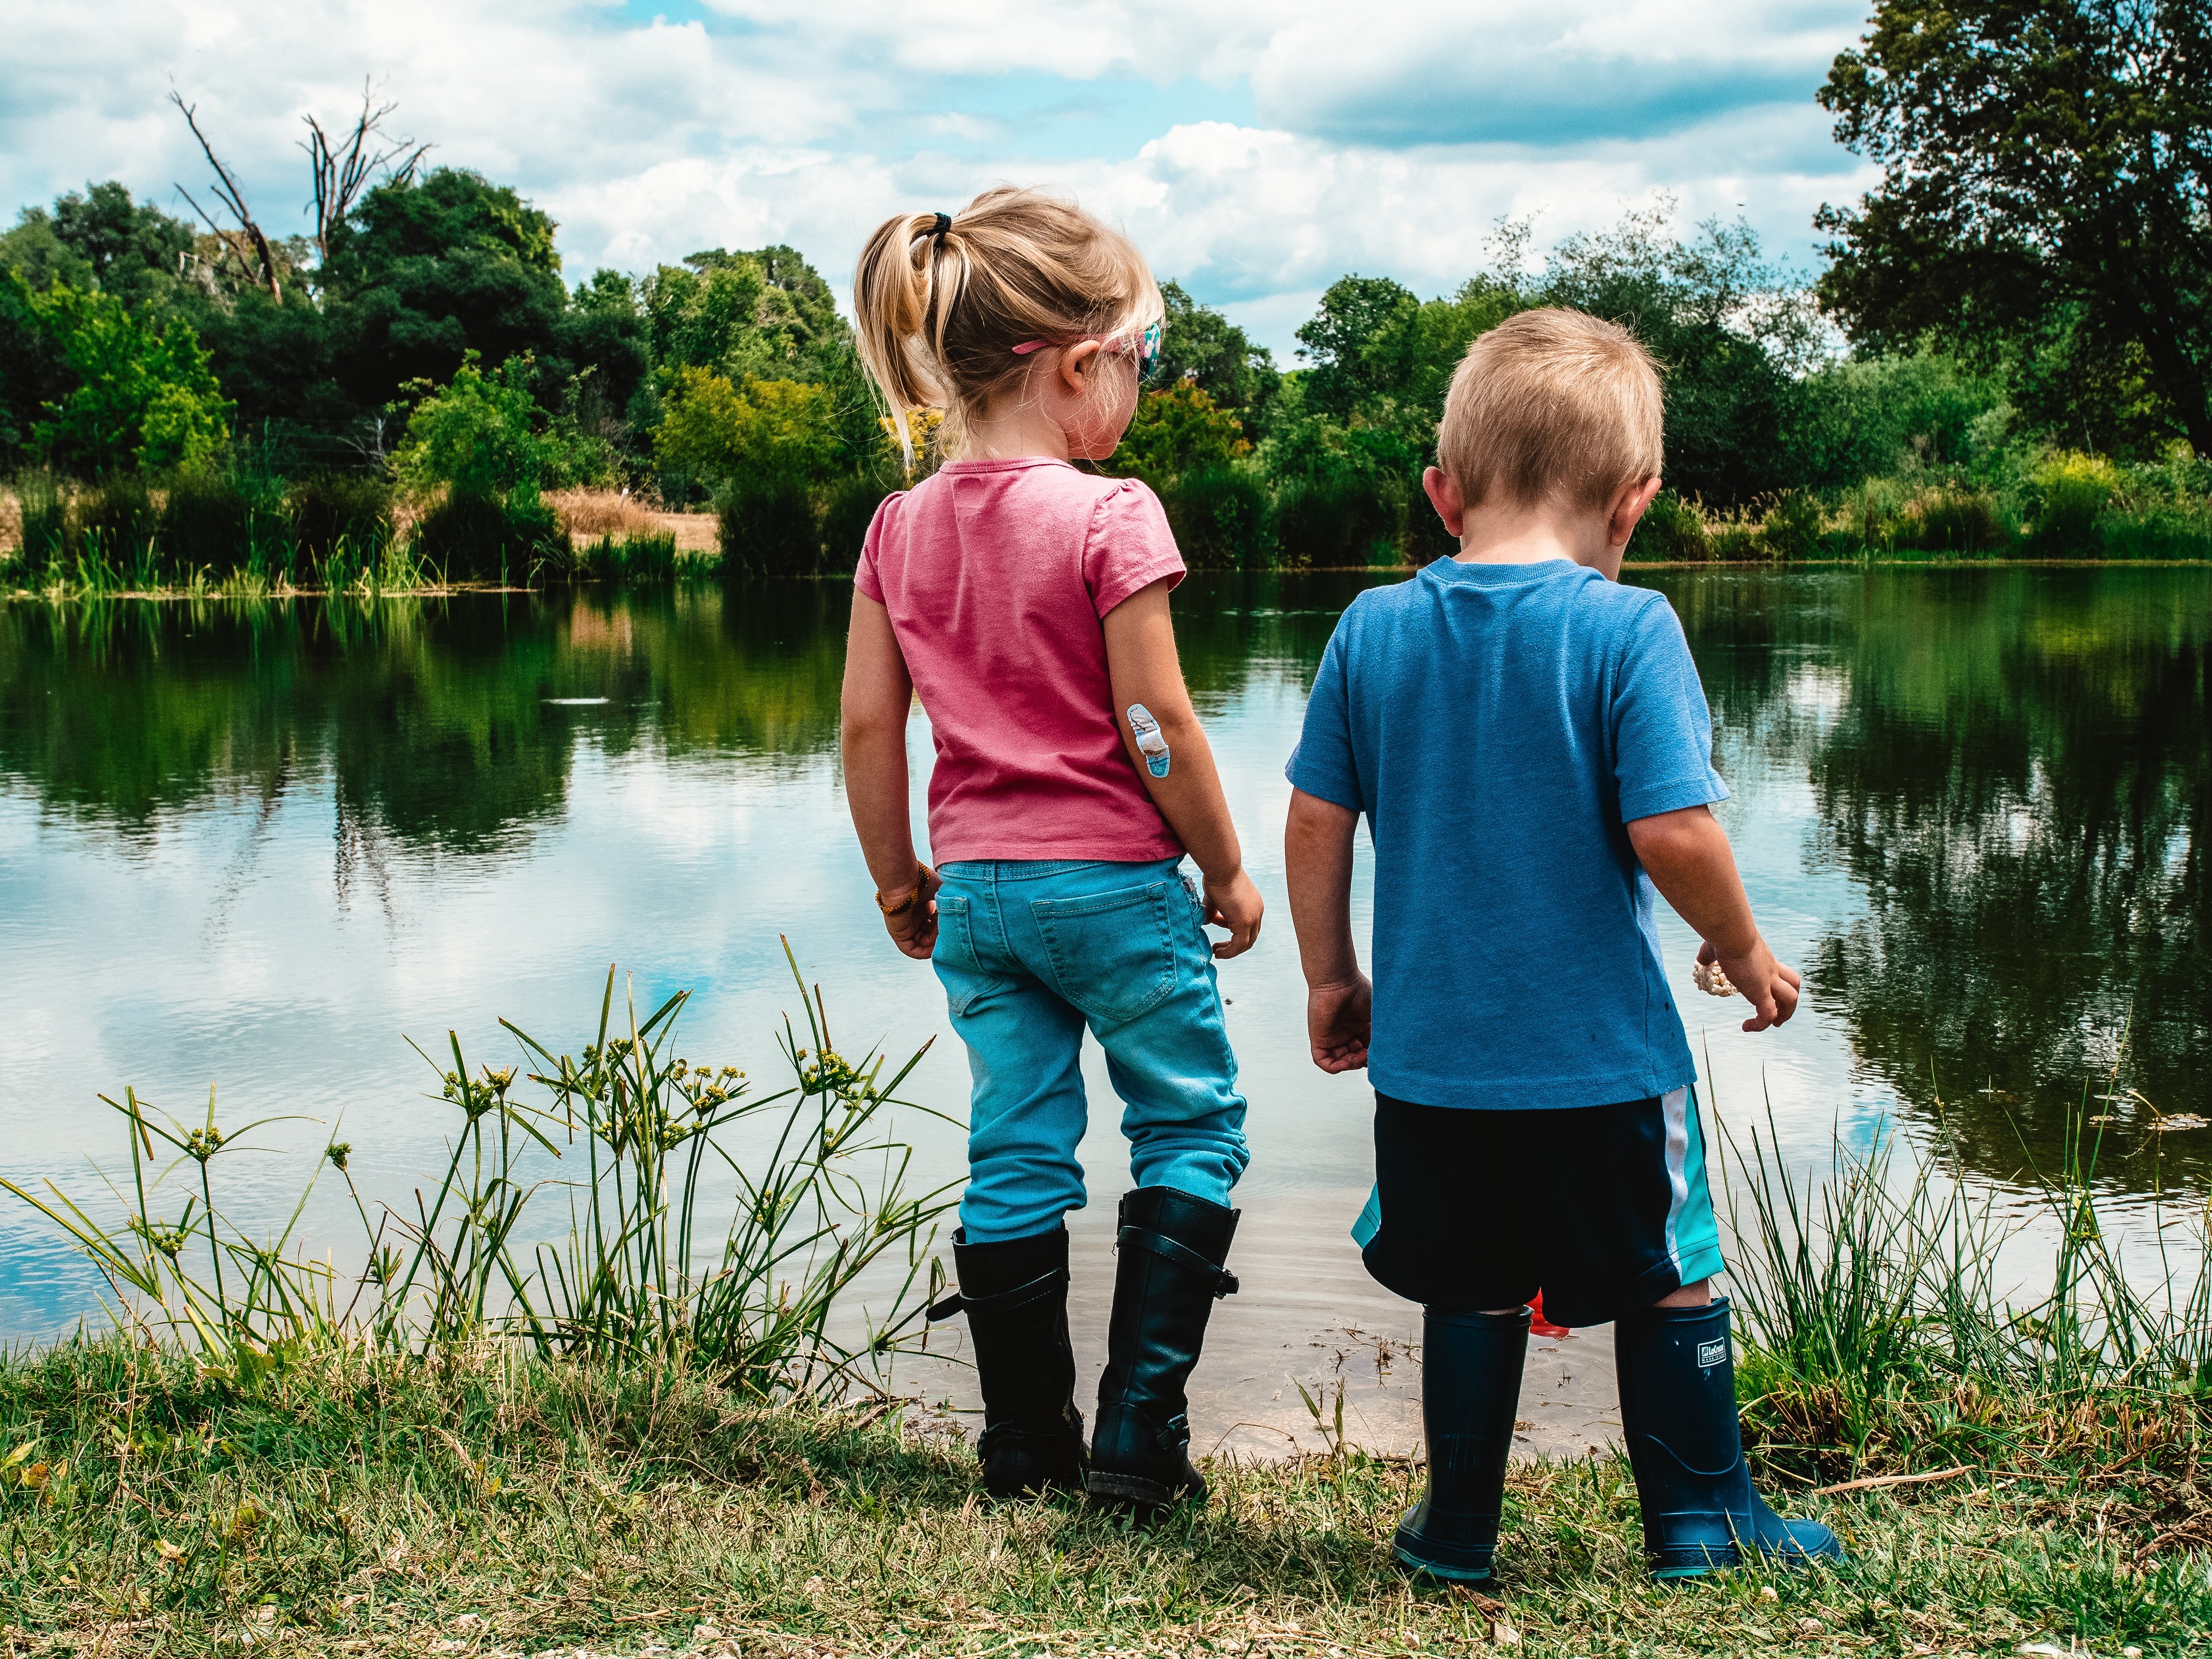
941, 300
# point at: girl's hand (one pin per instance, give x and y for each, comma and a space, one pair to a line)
913, 926
1237, 905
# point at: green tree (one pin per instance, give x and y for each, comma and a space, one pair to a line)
1179, 429
1200, 345
716, 430
425, 271
1729, 333
131, 248
705, 313
144, 393
2047, 172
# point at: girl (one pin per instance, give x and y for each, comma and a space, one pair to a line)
1027, 603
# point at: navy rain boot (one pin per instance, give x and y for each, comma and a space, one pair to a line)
1015, 1296
1470, 1388
1677, 1374
1169, 1274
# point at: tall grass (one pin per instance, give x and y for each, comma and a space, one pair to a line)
1879, 1328
649, 1151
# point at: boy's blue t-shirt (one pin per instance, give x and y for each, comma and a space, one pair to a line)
1500, 725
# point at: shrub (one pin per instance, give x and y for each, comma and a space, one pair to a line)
849, 506
1348, 517
220, 522
768, 527
44, 506
145, 396
1671, 529
1179, 430
1791, 528
478, 538
714, 430
1950, 520
1736, 539
2071, 493
650, 558
1220, 519
333, 511
2161, 531
484, 435
117, 527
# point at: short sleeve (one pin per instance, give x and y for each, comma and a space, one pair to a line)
1662, 732
1325, 762
866, 580
1130, 546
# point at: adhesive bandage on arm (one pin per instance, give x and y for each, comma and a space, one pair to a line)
1149, 743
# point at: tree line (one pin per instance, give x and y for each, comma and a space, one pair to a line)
2008, 346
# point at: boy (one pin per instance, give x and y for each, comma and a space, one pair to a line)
1532, 749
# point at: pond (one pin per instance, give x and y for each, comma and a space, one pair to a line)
258, 847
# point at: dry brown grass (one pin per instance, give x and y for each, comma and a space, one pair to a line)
591, 515
11, 522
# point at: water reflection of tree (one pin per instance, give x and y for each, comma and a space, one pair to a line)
1234, 629
2018, 768
435, 719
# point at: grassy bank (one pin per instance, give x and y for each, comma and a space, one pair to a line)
657, 1431
347, 1504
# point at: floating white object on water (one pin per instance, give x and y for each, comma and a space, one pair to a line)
2173, 1121
574, 703
1712, 980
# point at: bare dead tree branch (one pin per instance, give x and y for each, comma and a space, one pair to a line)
247, 235
342, 171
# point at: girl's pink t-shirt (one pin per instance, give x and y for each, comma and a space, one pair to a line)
998, 576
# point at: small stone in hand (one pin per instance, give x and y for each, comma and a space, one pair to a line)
1712, 980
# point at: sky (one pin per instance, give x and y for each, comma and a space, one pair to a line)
1257, 150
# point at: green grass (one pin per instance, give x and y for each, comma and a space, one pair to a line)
353, 1504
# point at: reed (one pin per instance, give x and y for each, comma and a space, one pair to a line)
649, 1151
1880, 1336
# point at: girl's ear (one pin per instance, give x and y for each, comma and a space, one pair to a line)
1079, 363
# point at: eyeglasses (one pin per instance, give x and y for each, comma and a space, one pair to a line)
1144, 347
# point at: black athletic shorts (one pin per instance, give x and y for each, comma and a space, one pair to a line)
1603, 1208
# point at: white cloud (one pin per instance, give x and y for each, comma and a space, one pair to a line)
1383, 139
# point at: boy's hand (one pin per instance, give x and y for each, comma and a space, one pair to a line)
1338, 1020
1237, 905
1768, 985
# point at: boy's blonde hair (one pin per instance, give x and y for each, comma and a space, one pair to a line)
941, 301
1551, 404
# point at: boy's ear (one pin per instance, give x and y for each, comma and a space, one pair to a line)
1628, 506
1443, 492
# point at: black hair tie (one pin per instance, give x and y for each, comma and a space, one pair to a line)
943, 224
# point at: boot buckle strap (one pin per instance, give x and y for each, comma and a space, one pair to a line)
1000, 1302
1169, 1250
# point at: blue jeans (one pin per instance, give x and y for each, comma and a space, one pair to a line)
1029, 951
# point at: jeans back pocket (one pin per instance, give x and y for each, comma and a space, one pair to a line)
1113, 954
954, 954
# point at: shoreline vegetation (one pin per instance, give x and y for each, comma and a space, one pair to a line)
665, 1428
326, 537
422, 399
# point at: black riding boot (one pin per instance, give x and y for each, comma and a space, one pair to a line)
1172, 1246
1470, 1388
1678, 1414
1015, 1296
